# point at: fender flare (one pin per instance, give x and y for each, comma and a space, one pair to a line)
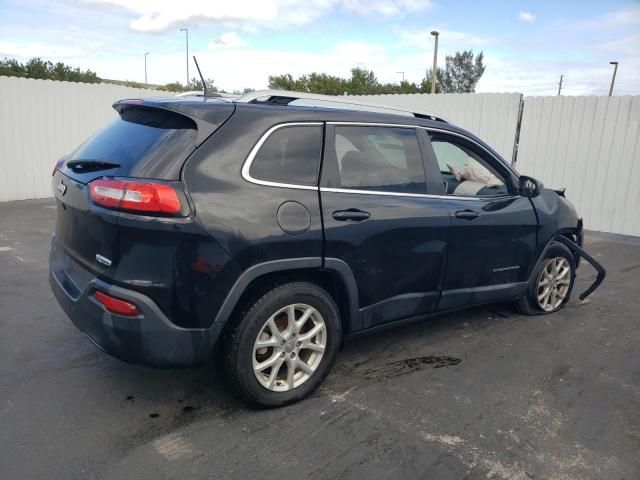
579, 251
244, 280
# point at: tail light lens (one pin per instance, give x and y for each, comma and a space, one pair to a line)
116, 305
57, 166
135, 196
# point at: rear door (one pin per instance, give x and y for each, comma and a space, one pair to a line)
380, 220
492, 236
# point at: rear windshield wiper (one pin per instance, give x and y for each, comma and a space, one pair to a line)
90, 165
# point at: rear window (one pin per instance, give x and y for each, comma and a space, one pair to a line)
145, 142
290, 155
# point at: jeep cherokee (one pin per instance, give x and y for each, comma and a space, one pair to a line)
262, 234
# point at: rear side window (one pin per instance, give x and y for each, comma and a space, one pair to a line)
378, 158
145, 142
289, 155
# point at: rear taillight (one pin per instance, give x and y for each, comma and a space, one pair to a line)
135, 196
116, 305
58, 164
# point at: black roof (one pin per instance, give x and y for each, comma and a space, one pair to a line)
199, 107
208, 109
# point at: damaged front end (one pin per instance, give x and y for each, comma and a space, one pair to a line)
578, 250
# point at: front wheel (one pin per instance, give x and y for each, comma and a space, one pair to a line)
283, 346
551, 284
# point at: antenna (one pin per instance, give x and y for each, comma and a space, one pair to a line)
204, 85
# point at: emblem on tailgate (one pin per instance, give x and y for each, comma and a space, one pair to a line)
62, 188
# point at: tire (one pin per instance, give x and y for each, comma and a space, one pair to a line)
305, 347
534, 301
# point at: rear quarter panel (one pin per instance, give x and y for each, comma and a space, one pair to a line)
242, 216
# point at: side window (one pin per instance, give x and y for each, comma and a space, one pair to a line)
378, 158
465, 172
289, 155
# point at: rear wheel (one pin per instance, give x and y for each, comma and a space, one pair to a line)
551, 285
283, 345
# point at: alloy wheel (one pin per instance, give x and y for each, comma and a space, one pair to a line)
553, 283
289, 347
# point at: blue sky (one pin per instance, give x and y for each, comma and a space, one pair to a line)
239, 43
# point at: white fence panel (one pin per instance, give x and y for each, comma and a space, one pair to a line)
590, 145
41, 120
491, 116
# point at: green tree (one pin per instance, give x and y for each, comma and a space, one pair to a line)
462, 72
196, 84
425, 84
363, 82
325, 84
286, 82
46, 70
10, 67
173, 87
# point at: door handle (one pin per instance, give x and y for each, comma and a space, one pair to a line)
352, 214
467, 214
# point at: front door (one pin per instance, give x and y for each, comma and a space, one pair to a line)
492, 236
380, 222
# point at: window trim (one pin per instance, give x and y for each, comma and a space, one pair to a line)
256, 148
434, 129
330, 134
505, 173
318, 188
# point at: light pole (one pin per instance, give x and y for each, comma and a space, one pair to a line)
145, 68
613, 79
402, 76
186, 31
435, 62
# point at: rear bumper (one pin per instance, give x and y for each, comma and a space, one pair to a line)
149, 338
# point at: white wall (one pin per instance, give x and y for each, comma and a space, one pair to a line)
491, 116
41, 120
591, 146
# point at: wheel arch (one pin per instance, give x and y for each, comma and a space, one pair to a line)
333, 275
572, 234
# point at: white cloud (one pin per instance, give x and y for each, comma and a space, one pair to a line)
387, 8
449, 41
527, 17
359, 53
45, 51
228, 39
628, 17
162, 15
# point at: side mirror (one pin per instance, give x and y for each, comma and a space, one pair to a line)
530, 187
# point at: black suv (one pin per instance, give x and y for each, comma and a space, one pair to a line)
263, 234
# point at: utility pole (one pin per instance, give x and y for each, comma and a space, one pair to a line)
145, 69
402, 76
560, 85
435, 62
186, 31
613, 79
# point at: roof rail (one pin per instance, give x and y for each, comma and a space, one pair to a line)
282, 97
